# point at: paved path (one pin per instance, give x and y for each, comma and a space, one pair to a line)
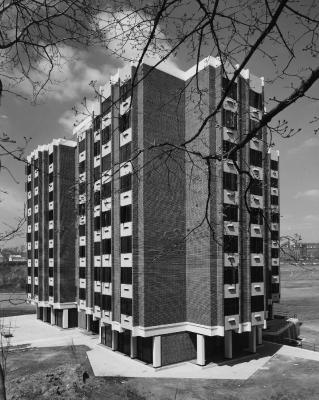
27, 330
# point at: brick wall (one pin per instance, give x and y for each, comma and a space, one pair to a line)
178, 347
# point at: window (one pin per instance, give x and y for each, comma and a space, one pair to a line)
257, 274
126, 306
96, 173
106, 162
28, 169
231, 306
274, 182
36, 289
97, 148
125, 152
275, 235
82, 251
50, 196
97, 223
126, 183
106, 106
82, 209
36, 272
275, 270
36, 181
227, 146
51, 272
36, 235
274, 165
28, 288
256, 158
126, 275
255, 99
106, 246
275, 218
29, 237
274, 200
106, 190
36, 200
97, 299
50, 178
106, 134
51, 291
274, 253
232, 90
106, 274
82, 273
252, 125
124, 122
29, 202
126, 214
256, 187
82, 230
106, 302
28, 186
51, 252
81, 146
82, 294
50, 215
106, 218
125, 90
36, 217
229, 119
97, 198
97, 248
257, 303
275, 287
29, 254
230, 244
230, 212
126, 244
256, 216
30, 271
230, 276
97, 273
230, 181
256, 245
82, 188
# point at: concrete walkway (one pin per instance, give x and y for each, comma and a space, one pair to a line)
28, 331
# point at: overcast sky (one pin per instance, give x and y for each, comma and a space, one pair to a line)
53, 118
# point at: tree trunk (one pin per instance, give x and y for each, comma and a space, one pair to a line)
2, 385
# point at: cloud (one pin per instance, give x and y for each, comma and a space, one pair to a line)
3, 116
311, 218
311, 193
310, 143
68, 119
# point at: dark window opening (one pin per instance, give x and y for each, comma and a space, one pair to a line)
106, 302
274, 200
97, 223
126, 306
230, 244
275, 287
275, 217
126, 183
82, 230
82, 188
97, 299
50, 215
81, 146
255, 99
82, 251
229, 119
106, 134
256, 216
256, 245
97, 174
50, 158
257, 274
82, 293
256, 158
106, 274
274, 253
51, 233
252, 125
97, 148
230, 181
126, 244
126, 214
97, 198
50, 196
106, 106
81, 167
82, 273
274, 165
274, 182
106, 162
231, 306
50, 178
126, 275
230, 276
97, 248
51, 291
51, 272
82, 209
227, 147
256, 187
97, 123
106, 190
275, 235
50, 252
232, 90
230, 212
125, 90
275, 270
257, 303
97, 273
124, 122
106, 218
106, 246
125, 152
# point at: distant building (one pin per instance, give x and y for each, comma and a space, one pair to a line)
309, 250
17, 258
146, 290
1, 259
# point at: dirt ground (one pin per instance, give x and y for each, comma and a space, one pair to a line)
57, 373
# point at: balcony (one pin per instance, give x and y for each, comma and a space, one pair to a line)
231, 259
126, 198
126, 137
256, 230
106, 204
82, 283
230, 135
257, 260
228, 166
257, 172
231, 322
126, 291
106, 232
256, 144
97, 261
125, 105
126, 321
82, 156
126, 168
231, 228
274, 174
107, 288
106, 148
230, 197
97, 286
257, 288
126, 229
257, 318
231, 291
256, 201
51, 281
106, 260
126, 260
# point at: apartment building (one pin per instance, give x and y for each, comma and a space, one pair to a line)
150, 293
51, 231
166, 259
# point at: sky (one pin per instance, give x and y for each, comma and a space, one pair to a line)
53, 118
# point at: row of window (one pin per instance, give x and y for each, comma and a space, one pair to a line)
125, 185
106, 246
231, 306
231, 244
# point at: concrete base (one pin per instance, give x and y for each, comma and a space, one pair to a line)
253, 339
201, 360
228, 344
65, 318
157, 353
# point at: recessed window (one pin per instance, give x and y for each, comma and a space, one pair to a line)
126, 275
274, 253
229, 119
256, 245
126, 306
275, 217
106, 246
125, 90
124, 122
255, 99
256, 216
106, 106
97, 273
227, 147
257, 303
97, 173
97, 198
274, 200
82, 145
106, 162
230, 212
126, 244
106, 274
125, 152
231, 306
256, 187
126, 183
97, 248
106, 218
126, 214
256, 158
82, 293
106, 134
82, 167
106, 190
106, 302
82, 209
82, 272
257, 274
97, 223
232, 89
82, 251
252, 125
82, 230
97, 299
230, 275
274, 182
230, 244
274, 165
97, 123
230, 181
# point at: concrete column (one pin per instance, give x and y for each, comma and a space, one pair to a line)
253, 339
115, 337
88, 322
228, 344
45, 317
38, 311
259, 335
201, 350
52, 316
65, 319
157, 352
133, 346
